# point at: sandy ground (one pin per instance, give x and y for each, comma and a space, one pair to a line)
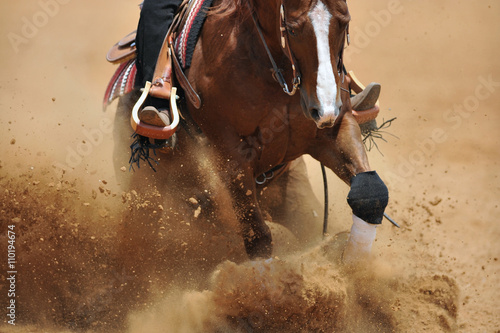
94, 257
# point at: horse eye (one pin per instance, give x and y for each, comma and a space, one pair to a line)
292, 32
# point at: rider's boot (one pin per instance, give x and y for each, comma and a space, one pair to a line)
156, 113
367, 98
364, 103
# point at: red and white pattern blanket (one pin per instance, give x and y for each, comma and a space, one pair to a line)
121, 83
186, 41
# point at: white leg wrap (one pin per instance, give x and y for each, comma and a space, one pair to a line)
360, 240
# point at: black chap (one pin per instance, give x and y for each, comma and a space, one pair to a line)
156, 17
368, 197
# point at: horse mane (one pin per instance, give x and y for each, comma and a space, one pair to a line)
228, 8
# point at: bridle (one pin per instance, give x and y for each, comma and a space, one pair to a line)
285, 46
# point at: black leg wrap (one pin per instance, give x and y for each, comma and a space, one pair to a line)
368, 197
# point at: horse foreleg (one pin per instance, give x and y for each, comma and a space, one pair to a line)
341, 149
256, 234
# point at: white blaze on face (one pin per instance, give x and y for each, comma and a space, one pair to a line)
326, 88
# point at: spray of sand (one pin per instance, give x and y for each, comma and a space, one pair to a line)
161, 252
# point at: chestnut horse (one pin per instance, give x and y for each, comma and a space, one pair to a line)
255, 126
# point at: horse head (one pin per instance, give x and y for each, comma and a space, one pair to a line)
312, 36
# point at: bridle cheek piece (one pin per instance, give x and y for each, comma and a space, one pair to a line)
285, 46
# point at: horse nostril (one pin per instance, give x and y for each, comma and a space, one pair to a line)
315, 114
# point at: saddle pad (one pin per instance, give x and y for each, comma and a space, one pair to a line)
186, 40
121, 83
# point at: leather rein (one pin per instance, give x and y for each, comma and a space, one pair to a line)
285, 46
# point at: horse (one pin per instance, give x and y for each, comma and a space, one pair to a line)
269, 74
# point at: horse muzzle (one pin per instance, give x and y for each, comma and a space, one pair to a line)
323, 116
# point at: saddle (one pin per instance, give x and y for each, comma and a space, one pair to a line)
178, 44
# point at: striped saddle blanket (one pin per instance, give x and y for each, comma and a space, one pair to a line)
123, 80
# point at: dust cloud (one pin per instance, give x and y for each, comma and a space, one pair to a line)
100, 248
149, 260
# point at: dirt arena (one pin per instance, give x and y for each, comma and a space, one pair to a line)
97, 252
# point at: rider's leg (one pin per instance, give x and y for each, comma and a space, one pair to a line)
156, 17
155, 20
